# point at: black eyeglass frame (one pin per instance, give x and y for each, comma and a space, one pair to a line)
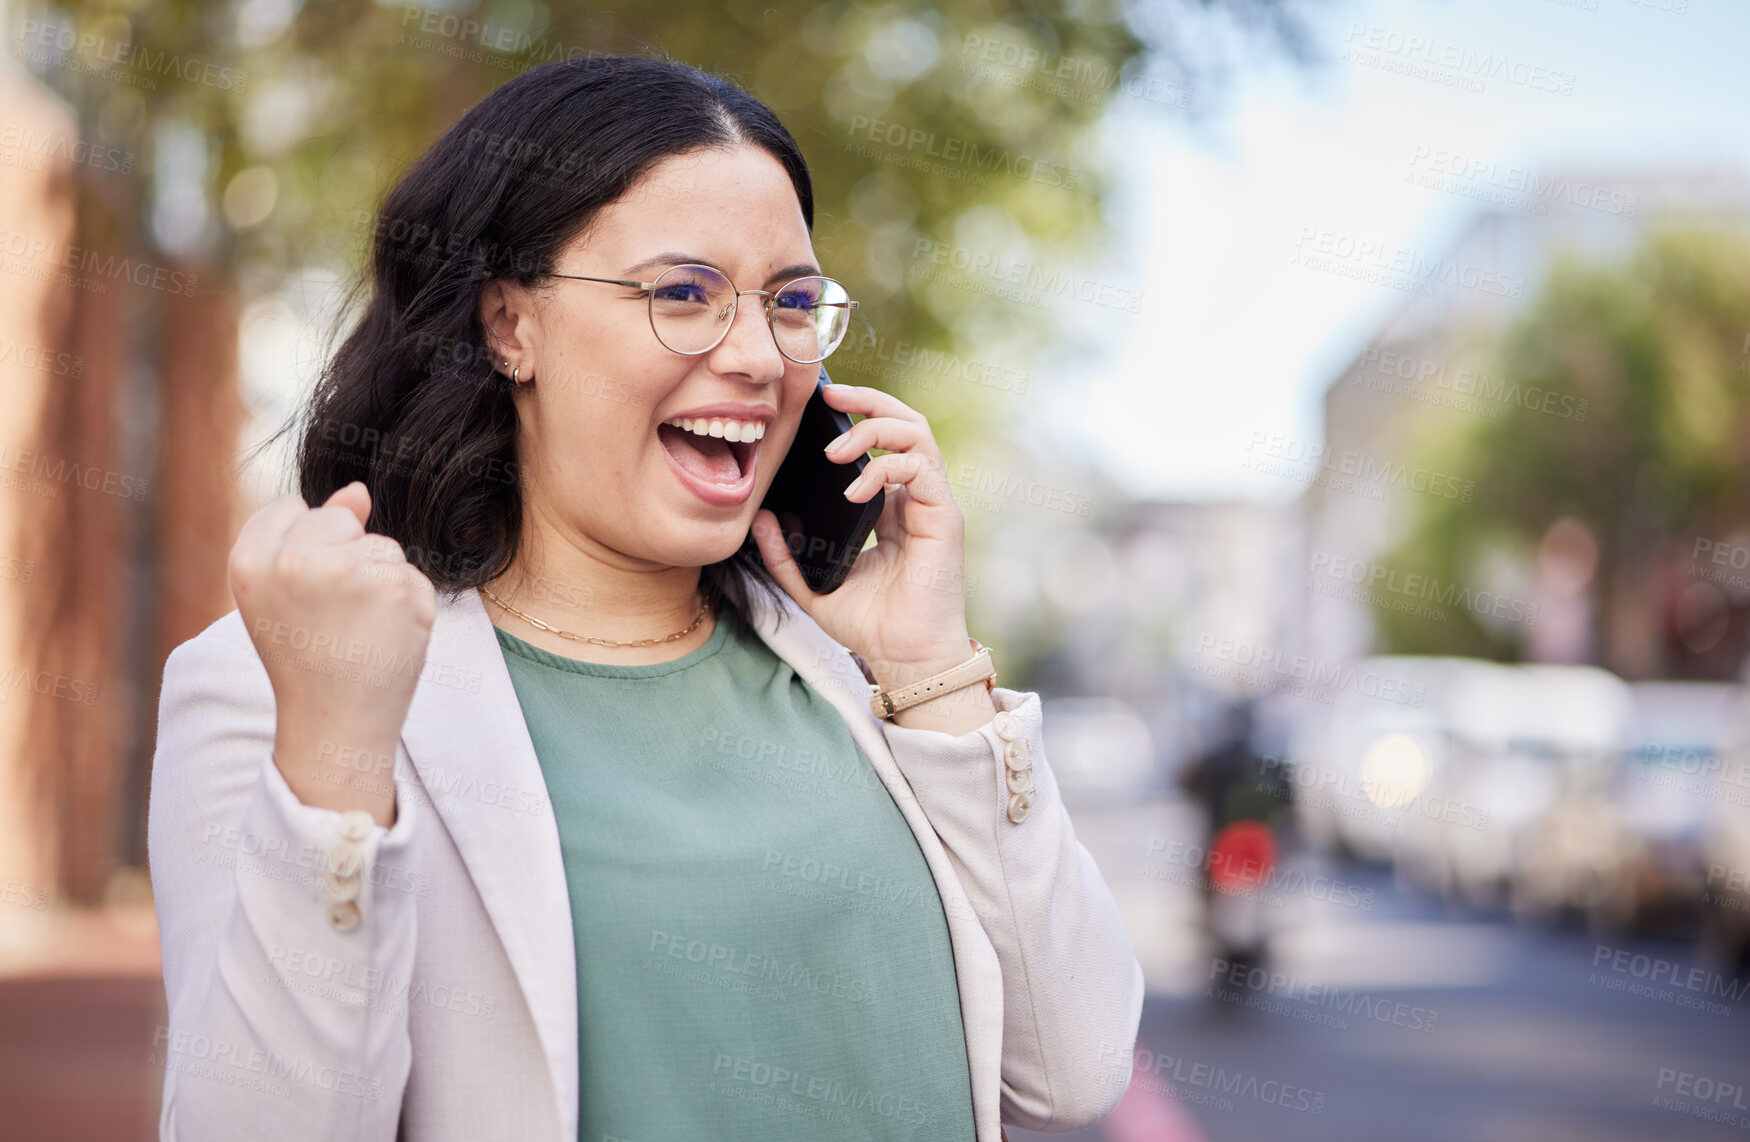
771, 296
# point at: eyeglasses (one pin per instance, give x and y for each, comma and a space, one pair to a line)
692, 308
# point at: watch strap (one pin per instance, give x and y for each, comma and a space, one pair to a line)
978, 668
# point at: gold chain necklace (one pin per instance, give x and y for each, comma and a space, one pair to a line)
704, 606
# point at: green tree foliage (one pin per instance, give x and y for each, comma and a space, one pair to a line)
266, 131
1653, 350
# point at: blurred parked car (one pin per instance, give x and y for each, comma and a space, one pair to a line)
1623, 842
1724, 927
1357, 766
1519, 736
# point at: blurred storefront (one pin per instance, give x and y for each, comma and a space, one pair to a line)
119, 501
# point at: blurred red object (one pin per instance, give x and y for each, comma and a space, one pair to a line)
1242, 854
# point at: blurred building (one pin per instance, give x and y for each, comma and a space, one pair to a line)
119, 499
34, 320
1430, 360
1102, 595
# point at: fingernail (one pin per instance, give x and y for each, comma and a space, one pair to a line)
854, 485
837, 442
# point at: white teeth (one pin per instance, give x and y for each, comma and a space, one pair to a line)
736, 430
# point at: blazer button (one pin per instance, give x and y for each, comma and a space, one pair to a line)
344, 914
344, 859
1007, 726
1020, 781
1015, 755
1019, 804
356, 824
344, 888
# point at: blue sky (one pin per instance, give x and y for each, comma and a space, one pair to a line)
1233, 339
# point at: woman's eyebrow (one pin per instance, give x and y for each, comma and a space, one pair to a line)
799, 270
788, 273
670, 259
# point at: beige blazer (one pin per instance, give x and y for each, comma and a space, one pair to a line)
420, 981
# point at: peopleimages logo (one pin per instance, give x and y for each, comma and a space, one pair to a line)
1374, 261
1514, 185
1082, 80
1426, 57
1272, 884
41, 38
829, 1093
47, 144
1189, 1077
1279, 455
1421, 374
1323, 676
1653, 977
909, 363
1344, 792
1383, 580
237, 1064
741, 962
95, 265
923, 145
1027, 276
987, 489
1321, 1001
1702, 1096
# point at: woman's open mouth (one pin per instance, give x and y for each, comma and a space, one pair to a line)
715, 457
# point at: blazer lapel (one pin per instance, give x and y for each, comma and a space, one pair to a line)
827, 666
465, 728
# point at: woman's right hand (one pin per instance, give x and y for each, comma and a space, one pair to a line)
341, 621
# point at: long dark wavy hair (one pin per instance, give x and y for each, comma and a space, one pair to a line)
411, 403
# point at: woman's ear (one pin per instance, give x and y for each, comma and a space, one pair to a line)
505, 318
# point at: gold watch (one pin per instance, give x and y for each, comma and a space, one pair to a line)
978, 668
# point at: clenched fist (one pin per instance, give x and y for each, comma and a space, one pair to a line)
341, 621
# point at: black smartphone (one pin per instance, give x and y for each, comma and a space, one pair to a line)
825, 531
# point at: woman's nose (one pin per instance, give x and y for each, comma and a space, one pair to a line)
751, 346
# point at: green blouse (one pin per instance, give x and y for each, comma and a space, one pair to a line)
761, 951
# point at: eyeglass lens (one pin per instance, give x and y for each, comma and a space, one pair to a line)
692, 306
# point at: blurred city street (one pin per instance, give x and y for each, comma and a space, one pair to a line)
81, 998
1525, 1040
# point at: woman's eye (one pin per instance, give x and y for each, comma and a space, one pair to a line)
684, 293
796, 301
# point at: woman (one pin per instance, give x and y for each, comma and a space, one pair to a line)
542, 809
